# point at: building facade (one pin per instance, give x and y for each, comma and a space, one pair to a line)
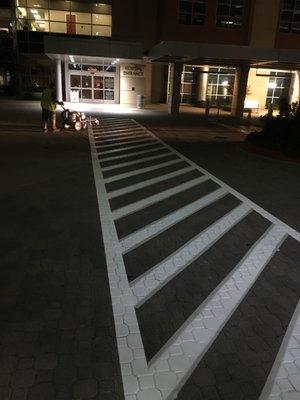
228, 52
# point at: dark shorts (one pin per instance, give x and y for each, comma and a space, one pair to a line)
47, 115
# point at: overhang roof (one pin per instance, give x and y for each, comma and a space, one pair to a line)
56, 48
220, 54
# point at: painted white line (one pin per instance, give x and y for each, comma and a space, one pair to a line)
147, 183
292, 232
105, 133
119, 136
125, 164
138, 205
125, 148
285, 373
142, 235
159, 148
141, 171
122, 139
155, 278
122, 144
197, 334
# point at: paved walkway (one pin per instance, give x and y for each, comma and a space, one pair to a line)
65, 327
204, 282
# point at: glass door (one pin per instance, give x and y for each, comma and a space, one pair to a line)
104, 89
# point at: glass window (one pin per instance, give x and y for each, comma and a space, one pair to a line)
98, 94
192, 12
220, 85
98, 82
75, 66
84, 18
101, 8
75, 81
86, 94
290, 16
80, 6
230, 13
99, 30
68, 17
59, 27
86, 81
60, 5
278, 86
56, 15
109, 95
101, 19
37, 3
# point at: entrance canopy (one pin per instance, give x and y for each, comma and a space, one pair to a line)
229, 55
99, 48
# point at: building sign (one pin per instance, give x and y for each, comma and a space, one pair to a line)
133, 70
74, 96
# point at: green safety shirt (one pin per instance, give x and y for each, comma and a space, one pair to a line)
47, 100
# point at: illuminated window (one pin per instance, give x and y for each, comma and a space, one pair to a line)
220, 85
68, 17
230, 13
290, 16
192, 12
278, 86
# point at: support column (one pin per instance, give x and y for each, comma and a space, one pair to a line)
175, 86
202, 85
239, 92
58, 81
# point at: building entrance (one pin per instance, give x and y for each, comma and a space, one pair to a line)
92, 83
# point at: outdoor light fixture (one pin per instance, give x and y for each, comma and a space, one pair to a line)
272, 85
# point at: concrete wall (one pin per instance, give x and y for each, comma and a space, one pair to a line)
131, 86
257, 87
264, 23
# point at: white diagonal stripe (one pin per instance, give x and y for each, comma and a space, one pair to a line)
141, 171
148, 182
137, 238
151, 143
130, 154
121, 139
138, 205
151, 281
122, 144
125, 164
117, 132
199, 331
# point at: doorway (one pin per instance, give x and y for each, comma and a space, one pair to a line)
98, 88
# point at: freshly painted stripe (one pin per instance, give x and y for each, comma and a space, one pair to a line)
148, 182
150, 282
151, 143
122, 139
122, 144
125, 164
129, 154
131, 208
140, 171
137, 238
121, 131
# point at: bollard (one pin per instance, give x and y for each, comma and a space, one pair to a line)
270, 110
207, 108
249, 117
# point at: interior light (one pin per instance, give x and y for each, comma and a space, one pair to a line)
272, 85
34, 11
